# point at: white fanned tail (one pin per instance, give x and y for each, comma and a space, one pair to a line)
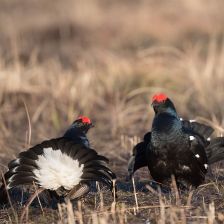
57, 169
58, 163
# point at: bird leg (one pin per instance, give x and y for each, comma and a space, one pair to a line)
29, 201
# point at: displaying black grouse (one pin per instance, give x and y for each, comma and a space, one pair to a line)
64, 166
176, 147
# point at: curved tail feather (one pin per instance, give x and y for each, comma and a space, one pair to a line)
215, 150
138, 158
91, 166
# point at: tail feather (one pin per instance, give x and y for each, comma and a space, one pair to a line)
19, 174
22, 160
72, 151
95, 166
20, 180
38, 149
17, 170
88, 157
96, 163
13, 163
29, 155
53, 143
22, 171
98, 173
22, 167
106, 171
215, 150
99, 167
95, 176
138, 159
103, 159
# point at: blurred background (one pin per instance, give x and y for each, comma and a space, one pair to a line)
105, 59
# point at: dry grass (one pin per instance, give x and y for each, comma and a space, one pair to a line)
106, 59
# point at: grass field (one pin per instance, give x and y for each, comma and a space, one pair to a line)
105, 59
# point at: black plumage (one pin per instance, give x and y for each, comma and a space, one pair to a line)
215, 150
75, 145
23, 166
138, 158
176, 147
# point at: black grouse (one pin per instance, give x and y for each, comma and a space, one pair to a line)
176, 147
64, 166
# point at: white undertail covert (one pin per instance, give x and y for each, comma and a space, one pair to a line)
57, 169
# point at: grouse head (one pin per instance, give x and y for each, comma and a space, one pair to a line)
162, 104
83, 124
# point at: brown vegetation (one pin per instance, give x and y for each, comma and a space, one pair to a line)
105, 59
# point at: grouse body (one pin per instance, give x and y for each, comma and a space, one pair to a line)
176, 147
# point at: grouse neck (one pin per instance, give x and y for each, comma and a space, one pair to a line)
166, 127
77, 135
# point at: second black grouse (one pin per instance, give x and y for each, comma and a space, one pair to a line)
176, 147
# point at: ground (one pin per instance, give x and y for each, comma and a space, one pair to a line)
105, 59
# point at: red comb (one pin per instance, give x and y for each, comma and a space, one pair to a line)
84, 119
159, 97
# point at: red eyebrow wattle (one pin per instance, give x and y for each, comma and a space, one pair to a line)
159, 97
85, 119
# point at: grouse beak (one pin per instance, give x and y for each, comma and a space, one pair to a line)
91, 125
155, 103
155, 106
